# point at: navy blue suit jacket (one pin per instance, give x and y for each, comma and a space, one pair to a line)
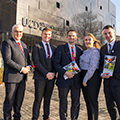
62, 58
40, 61
115, 80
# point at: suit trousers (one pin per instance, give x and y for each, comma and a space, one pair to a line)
112, 96
90, 93
14, 98
43, 88
75, 97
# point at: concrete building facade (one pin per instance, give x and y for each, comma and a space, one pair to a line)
34, 15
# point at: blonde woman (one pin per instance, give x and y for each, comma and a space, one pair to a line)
89, 63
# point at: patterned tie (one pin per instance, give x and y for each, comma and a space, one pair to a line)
73, 54
109, 48
48, 51
20, 47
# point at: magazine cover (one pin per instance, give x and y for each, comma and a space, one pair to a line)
71, 67
109, 64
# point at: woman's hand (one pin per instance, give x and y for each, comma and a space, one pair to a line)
84, 84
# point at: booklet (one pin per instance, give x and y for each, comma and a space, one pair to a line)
109, 64
71, 67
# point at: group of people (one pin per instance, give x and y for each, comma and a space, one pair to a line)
49, 60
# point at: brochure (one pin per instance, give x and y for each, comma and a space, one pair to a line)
109, 64
71, 67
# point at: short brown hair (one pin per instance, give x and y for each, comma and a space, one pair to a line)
47, 29
107, 27
71, 31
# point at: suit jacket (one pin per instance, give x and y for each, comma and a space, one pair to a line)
115, 80
41, 62
62, 58
14, 60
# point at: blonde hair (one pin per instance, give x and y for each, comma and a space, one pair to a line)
96, 43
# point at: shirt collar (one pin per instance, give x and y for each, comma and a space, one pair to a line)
16, 40
45, 43
70, 45
112, 43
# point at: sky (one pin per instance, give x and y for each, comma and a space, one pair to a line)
117, 4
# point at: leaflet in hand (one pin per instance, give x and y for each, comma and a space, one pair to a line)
71, 67
109, 64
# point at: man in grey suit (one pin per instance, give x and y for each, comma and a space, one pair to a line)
43, 54
16, 67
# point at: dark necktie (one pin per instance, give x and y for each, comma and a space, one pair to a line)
73, 54
20, 47
48, 51
109, 48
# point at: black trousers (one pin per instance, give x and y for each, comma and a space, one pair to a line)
14, 98
43, 88
90, 93
112, 96
75, 103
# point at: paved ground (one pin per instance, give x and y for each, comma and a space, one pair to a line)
29, 98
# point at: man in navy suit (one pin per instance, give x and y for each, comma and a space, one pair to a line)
63, 56
111, 83
16, 67
44, 74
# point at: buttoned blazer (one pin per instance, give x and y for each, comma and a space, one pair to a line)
40, 61
115, 80
14, 60
62, 58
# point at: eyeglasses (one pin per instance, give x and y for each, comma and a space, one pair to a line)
18, 32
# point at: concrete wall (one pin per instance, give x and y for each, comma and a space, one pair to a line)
41, 13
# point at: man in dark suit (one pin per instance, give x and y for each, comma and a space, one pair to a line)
44, 74
111, 83
63, 56
16, 67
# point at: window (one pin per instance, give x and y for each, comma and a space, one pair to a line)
113, 25
39, 5
86, 8
100, 7
57, 4
28, 7
67, 22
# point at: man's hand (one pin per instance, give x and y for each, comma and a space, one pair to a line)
84, 84
106, 75
69, 74
26, 70
50, 75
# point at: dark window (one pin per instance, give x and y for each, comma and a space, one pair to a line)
86, 8
39, 5
100, 7
67, 22
57, 4
113, 25
15, 1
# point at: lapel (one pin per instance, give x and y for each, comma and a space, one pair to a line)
17, 48
106, 49
42, 49
77, 52
67, 51
114, 46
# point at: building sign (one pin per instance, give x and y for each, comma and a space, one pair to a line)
39, 26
